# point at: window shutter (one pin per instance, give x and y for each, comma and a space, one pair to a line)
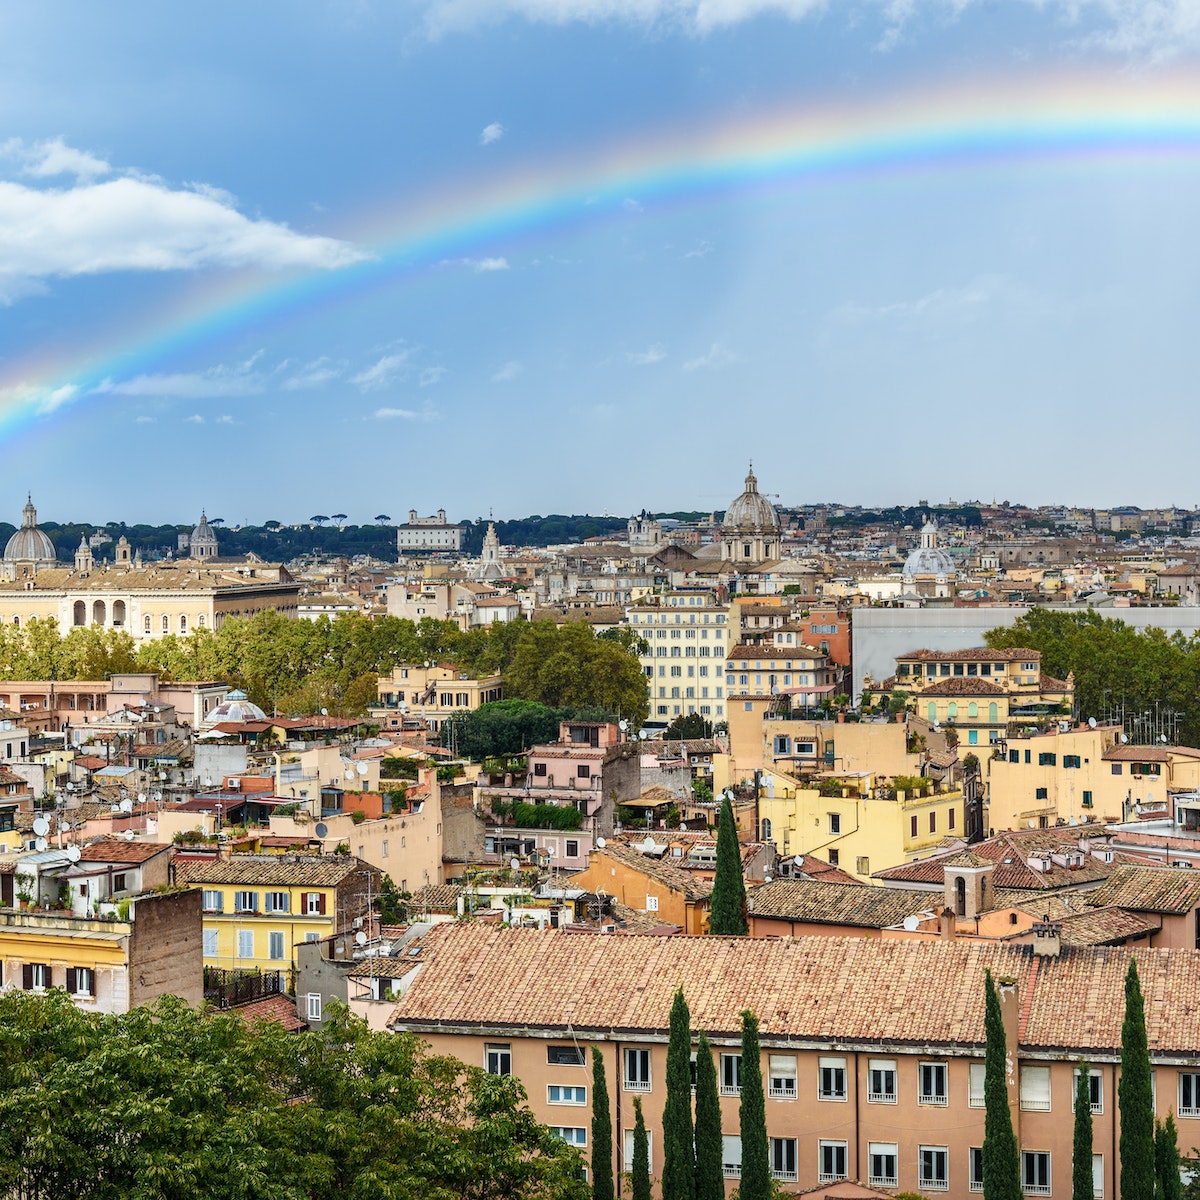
254, 902
1035, 1088
71, 980
27, 977
321, 903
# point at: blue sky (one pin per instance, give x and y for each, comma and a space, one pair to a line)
1019, 330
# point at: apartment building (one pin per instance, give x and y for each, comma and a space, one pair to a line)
686, 635
872, 1050
431, 693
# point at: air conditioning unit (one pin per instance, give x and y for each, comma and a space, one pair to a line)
608, 929
235, 785
358, 922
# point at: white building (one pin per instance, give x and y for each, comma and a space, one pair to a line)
429, 535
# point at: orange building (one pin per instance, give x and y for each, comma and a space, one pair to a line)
676, 895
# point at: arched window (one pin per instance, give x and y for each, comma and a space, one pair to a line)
766, 829
183, 622
972, 709
80, 612
99, 612
993, 713
118, 612
200, 623
951, 711
932, 711
16, 620
166, 623
146, 623
960, 897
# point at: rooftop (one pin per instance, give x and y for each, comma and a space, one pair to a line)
1174, 890
856, 904
283, 869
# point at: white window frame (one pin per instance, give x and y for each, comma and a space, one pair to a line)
1035, 1088
731, 1070
1095, 1089
271, 902
827, 1156
566, 1093
931, 1155
882, 1151
976, 1092
1098, 1176
1193, 1109
831, 1071
627, 1150
779, 1150
973, 1184
213, 900
495, 1055
638, 1080
85, 976
573, 1135
932, 1071
881, 1071
731, 1155
313, 1007
1033, 1158
312, 904
781, 1077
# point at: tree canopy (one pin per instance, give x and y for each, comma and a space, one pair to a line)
170, 1102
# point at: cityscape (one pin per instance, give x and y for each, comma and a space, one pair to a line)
599, 600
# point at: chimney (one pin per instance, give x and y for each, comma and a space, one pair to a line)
1010, 1011
946, 924
1047, 938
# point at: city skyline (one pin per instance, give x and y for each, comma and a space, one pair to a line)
577, 252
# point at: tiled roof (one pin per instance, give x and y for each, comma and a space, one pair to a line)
1047, 683
978, 654
855, 904
799, 653
1105, 926
864, 990
1149, 753
9, 777
384, 968
281, 1009
962, 685
675, 878
809, 866
436, 897
1150, 889
118, 850
283, 869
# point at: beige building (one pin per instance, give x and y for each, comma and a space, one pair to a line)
431, 693
872, 1049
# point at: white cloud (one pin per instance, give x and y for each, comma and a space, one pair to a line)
631, 205
645, 358
491, 133
941, 304
133, 223
717, 356
431, 375
227, 419
240, 379
390, 368
194, 419
701, 250
44, 160
144, 420
1155, 29
508, 372
425, 413
312, 375
490, 264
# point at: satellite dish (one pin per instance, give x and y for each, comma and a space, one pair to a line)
1124, 739
73, 853
601, 842
141, 797
912, 923
324, 712
1162, 737
321, 829
129, 835
127, 806
360, 938
622, 725
1031, 823
515, 863
41, 826
1091, 722
937, 726
41, 843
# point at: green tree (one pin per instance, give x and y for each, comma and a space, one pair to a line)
1081, 1154
1001, 1160
1134, 1097
1166, 1160
727, 913
710, 1171
640, 1169
602, 1146
679, 1162
752, 1117
688, 727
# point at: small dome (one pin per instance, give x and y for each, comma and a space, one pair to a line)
29, 544
929, 558
235, 707
751, 510
204, 531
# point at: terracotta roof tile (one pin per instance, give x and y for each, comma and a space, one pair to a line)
281, 1009
856, 904
284, 869
962, 685
675, 878
1150, 889
1105, 926
118, 850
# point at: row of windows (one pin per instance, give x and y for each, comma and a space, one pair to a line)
705, 710
689, 693
311, 903
637, 619
972, 715
687, 652
247, 941
78, 981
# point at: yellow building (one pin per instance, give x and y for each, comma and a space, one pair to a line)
1082, 775
107, 966
431, 693
859, 823
257, 907
686, 635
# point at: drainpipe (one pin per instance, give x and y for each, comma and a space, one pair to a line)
619, 1091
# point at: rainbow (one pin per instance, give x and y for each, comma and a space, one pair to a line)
1080, 119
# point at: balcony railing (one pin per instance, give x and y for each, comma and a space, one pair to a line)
729, 1089
881, 1180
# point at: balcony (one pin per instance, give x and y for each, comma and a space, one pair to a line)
882, 1181
785, 1176
1036, 1189
887, 1098
729, 1089
830, 1176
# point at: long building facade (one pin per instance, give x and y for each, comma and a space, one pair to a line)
872, 1051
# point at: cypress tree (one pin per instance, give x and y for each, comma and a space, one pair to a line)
641, 1154
1001, 1162
1166, 1160
602, 1147
1081, 1155
679, 1156
710, 1171
1134, 1097
727, 912
752, 1117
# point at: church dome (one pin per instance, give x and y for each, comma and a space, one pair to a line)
751, 510
29, 544
236, 706
929, 558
